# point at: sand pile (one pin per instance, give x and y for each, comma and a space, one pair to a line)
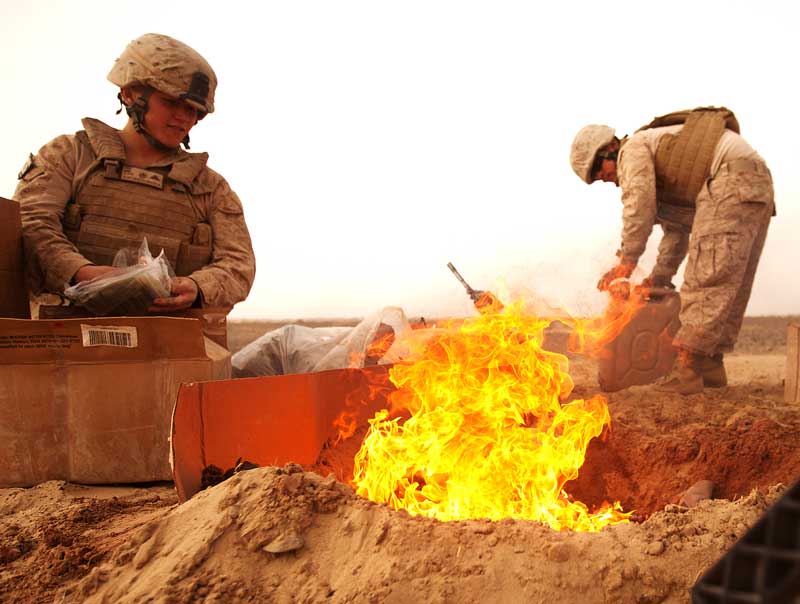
284, 535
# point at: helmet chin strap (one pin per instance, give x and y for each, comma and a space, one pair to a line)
136, 112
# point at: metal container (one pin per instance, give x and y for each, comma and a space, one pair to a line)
642, 352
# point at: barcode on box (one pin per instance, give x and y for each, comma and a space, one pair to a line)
106, 335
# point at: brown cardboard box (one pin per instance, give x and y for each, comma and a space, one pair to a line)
13, 294
792, 385
269, 420
91, 400
214, 320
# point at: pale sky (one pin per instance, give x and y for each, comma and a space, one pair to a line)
373, 142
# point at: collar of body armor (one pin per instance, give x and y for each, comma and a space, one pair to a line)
107, 144
104, 139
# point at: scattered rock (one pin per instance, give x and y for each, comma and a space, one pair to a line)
285, 542
292, 483
696, 493
560, 552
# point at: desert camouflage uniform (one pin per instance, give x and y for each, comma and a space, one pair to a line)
73, 168
723, 233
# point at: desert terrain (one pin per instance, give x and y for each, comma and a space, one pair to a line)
292, 535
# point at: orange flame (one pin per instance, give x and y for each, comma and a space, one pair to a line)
359, 405
487, 435
590, 336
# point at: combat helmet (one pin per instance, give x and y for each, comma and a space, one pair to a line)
589, 140
169, 66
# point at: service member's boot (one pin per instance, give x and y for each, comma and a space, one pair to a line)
685, 377
713, 371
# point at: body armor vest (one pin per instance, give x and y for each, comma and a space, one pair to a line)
683, 160
118, 205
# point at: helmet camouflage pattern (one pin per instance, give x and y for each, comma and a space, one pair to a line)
169, 66
589, 140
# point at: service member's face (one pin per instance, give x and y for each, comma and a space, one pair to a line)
605, 163
169, 119
607, 171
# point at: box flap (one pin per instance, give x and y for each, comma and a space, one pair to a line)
267, 420
97, 340
13, 293
10, 236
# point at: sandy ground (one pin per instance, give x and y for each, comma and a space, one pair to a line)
290, 535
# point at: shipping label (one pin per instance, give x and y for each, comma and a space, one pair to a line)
107, 335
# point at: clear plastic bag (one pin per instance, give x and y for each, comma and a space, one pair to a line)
130, 289
299, 349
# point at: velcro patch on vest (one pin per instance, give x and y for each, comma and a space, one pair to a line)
143, 177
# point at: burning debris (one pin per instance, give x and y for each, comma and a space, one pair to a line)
485, 432
213, 475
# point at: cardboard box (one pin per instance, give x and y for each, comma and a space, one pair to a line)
792, 383
13, 293
91, 400
214, 319
269, 420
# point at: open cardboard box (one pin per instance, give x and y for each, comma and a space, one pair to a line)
268, 420
213, 319
90, 400
13, 293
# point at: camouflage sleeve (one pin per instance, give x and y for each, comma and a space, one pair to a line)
229, 277
671, 252
676, 222
637, 179
45, 187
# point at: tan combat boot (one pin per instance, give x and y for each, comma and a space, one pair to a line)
713, 371
685, 377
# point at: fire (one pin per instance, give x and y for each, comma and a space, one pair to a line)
478, 429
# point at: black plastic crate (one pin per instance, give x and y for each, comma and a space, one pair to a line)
763, 567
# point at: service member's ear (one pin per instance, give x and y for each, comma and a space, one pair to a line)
129, 94
126, 96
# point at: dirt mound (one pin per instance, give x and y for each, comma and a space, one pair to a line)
284, 535
739, 437
54, 534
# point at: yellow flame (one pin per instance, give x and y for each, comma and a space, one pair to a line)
486, 434
590, 336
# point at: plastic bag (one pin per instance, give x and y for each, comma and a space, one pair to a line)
299, 349
370, 342
129, 290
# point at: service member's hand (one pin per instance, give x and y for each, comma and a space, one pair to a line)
184, 293
622, 270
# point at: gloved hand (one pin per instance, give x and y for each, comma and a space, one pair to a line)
622, 270
661, 281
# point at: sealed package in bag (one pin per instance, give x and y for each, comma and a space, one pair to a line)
130, 289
